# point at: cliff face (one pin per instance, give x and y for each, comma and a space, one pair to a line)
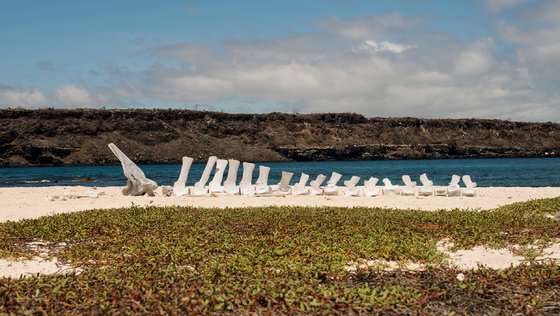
75, 137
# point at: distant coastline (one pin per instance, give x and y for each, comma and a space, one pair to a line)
79, 137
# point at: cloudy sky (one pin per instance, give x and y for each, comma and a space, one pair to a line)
424, 58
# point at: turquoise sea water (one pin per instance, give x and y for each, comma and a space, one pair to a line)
531, 172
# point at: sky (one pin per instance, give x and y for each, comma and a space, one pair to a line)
496, 59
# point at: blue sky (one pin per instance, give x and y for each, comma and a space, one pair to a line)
479, 58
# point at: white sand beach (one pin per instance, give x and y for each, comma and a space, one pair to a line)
19, 202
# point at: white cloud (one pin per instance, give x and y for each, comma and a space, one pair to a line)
16, 97
368, 26
379, 47
70, 95
192, 88
362, 65
546, 12
537, 67
495, 6
429, 77
340, 71
476, 59
535, 43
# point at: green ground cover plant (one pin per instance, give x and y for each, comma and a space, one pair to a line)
177, 260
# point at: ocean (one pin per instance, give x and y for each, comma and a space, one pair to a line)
507, 172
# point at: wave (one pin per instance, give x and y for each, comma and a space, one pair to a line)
33, 181
86, 179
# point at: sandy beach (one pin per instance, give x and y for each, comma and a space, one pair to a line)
20, 203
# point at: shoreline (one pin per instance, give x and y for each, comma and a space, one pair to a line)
32, 202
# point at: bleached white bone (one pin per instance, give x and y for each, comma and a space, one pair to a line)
331, 188
137, 183
369, 187
180, 186
229, 185
284, 185
199, 188
315, 185
261, 186
300, 187
351, 189
245, 185
215, 186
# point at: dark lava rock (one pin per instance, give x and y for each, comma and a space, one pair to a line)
80, 137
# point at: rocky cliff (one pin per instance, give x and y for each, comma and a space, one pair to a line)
77, 137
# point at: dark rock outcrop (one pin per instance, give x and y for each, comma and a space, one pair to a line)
77, 137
